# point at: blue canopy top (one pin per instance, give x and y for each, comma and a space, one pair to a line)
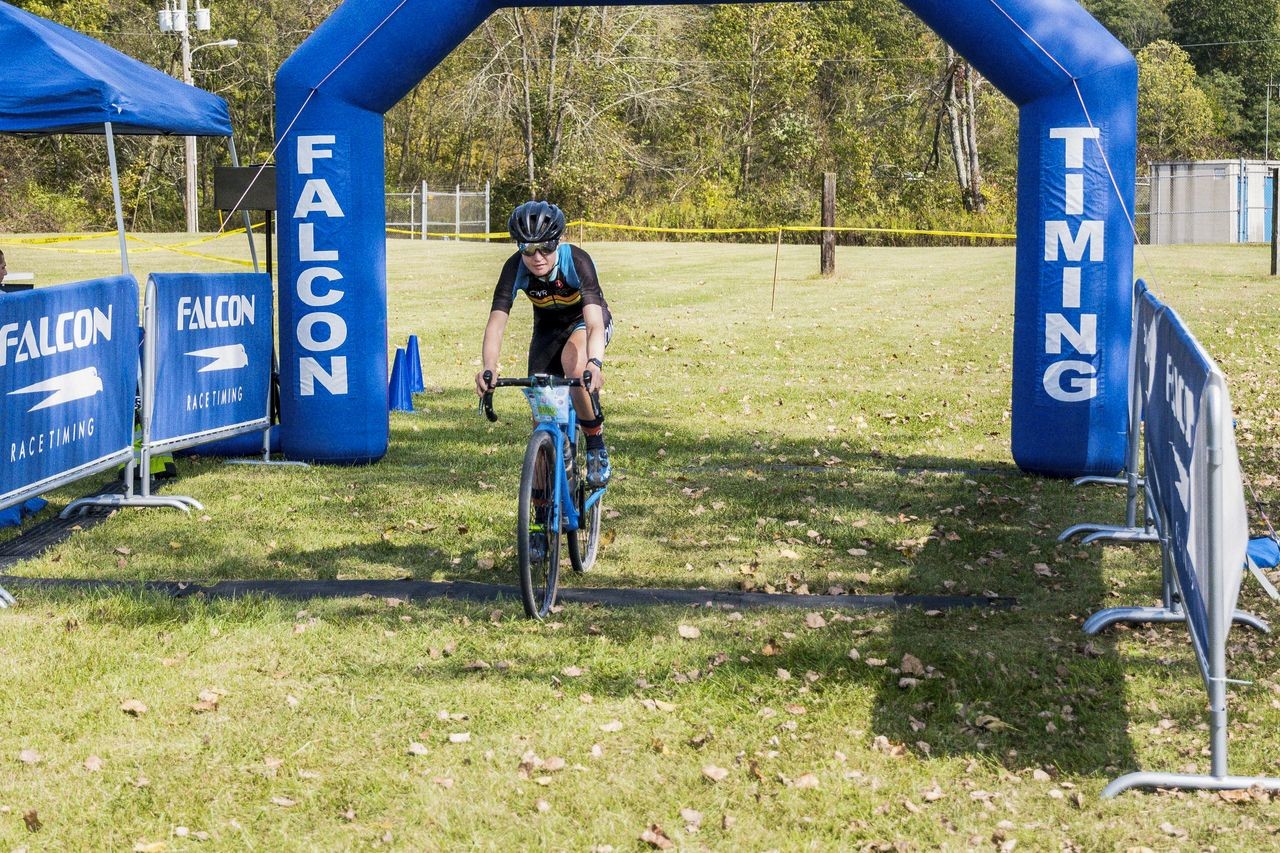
57, 80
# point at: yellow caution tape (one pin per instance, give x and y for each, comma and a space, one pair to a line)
771, 229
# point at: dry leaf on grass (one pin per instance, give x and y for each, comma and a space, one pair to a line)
806, 780
133, 707
284, 802
572, 672
814, 620
692, 820
460, 737
30, 756
715, 774
911, 665
416, 748
32, 819
612, 726
655, 837
689, 632
93, 764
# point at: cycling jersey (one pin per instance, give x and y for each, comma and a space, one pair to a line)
557, 302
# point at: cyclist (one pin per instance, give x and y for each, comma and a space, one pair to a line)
571, 320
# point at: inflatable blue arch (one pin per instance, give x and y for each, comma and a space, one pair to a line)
1076, 89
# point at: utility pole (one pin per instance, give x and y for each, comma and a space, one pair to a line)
174, 18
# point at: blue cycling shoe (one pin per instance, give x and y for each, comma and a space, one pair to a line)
598, 468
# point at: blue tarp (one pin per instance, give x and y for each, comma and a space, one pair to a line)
57, 80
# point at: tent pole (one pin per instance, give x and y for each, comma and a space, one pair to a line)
248, 223
115, 194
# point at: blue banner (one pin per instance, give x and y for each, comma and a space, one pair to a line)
211, 354
68, 376
1204, 535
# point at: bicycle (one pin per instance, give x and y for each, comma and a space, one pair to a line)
553, 485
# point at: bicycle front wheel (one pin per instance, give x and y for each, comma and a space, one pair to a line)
584, 542
538, 527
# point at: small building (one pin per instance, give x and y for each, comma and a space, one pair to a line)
1210, 201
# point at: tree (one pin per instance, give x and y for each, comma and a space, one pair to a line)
1175, 119
1237, 37
1134, 22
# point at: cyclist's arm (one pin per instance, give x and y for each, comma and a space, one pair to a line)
593, 316
491, 348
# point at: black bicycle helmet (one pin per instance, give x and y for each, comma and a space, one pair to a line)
536, 222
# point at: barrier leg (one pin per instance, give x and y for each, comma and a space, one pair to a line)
1192, 781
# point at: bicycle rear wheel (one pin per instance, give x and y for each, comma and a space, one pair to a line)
584, 543
538, 527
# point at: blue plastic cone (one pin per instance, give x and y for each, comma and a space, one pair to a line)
415, 366
399, 398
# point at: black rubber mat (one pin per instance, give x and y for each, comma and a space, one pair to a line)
470, 591
48, 533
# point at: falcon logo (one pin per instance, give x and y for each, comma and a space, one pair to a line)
1183, 483
65, 388
231, 357
1149, 356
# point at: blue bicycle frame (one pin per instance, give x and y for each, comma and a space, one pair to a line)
564, 505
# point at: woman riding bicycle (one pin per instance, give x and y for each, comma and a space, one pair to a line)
571, 320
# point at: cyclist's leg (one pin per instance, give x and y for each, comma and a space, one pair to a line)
574, 361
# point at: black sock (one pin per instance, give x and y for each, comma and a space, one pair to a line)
595, 442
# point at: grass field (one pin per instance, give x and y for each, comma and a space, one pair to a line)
855, 436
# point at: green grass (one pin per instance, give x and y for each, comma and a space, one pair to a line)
754, 449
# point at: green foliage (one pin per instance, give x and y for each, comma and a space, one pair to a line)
1175, 117
1133, 22
1240, 38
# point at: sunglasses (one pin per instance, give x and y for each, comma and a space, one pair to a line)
539, 248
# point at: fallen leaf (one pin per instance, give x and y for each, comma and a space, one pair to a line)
814, 620
783, 675
150, 847
912, 665
612, 726
416, 748
689, 632
807, 780
789, 554
715, 774
460, 737
442, 781
30, 756
572, 672
476, 665
692, 819
32, 819
93, 764
542, 806
991, 723
284, 802
133, 707
656, 838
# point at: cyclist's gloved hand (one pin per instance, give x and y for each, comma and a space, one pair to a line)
594, 374
484, 381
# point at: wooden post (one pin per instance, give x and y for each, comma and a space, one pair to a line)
1275, 219
828, 221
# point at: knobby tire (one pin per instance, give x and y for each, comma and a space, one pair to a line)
539, 579
584, 543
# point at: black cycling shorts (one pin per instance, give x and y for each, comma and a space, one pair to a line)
548, 343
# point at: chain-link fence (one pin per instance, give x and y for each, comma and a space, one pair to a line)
424, 212
1206, 201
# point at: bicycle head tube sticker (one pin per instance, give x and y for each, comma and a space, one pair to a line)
548, 404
